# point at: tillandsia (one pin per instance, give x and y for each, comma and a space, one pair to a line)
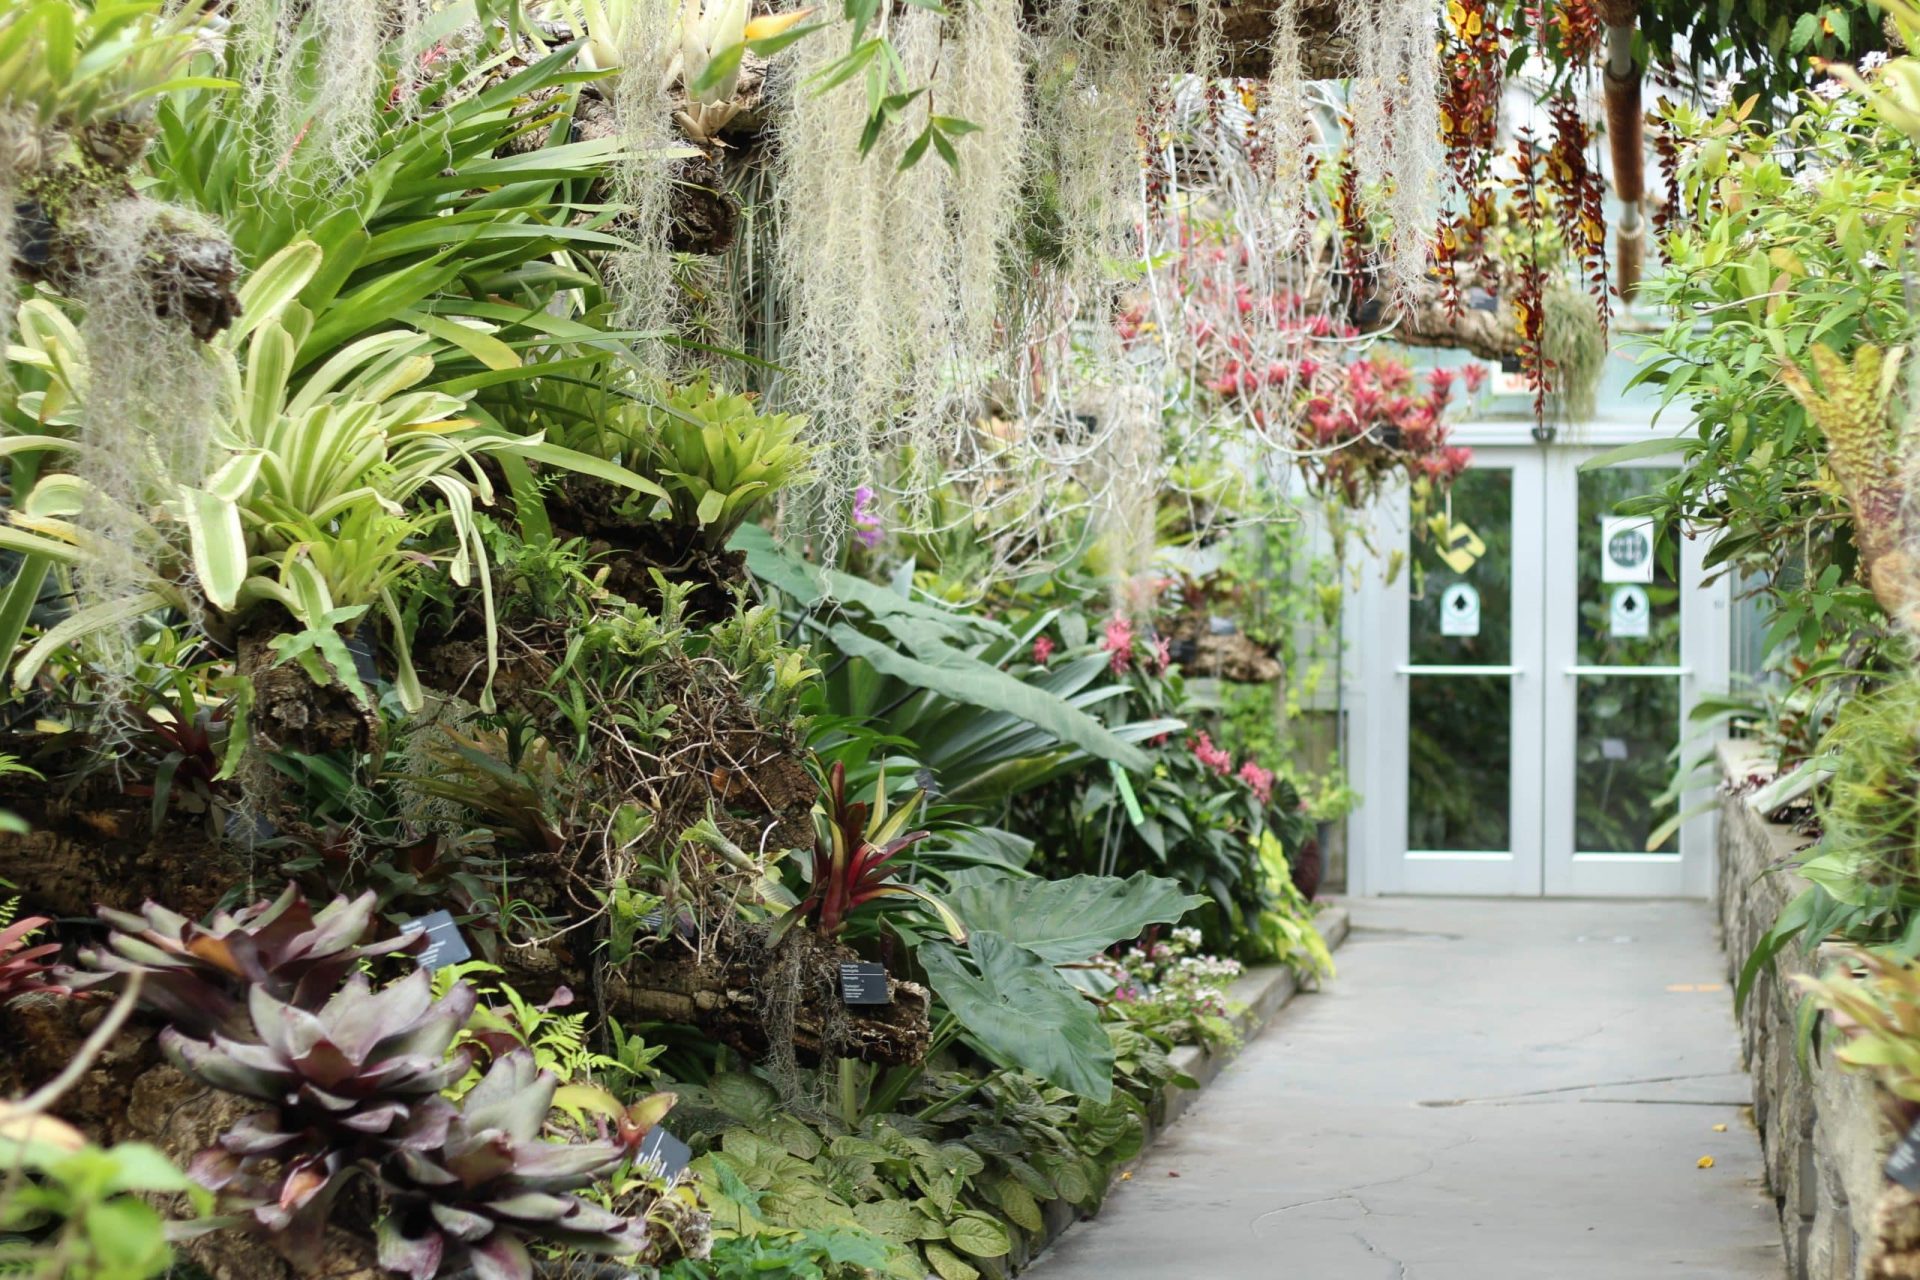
201, 976
853, 851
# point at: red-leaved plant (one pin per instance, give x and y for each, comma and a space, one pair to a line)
853, 849
23, 969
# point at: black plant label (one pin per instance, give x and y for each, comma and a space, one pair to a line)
864, 984
1903, 1166
667, 1151
445, 946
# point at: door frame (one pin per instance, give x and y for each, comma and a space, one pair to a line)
1542, 860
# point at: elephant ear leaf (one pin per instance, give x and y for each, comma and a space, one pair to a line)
1066, 921
1021, 1013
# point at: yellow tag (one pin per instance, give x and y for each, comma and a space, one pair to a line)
1463, 548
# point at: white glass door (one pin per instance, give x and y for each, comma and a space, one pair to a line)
1465, 620
1628, 652
1522, 685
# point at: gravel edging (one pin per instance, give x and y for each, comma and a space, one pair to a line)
1261, 993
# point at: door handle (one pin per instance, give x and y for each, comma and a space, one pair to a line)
1629, 671
1459, 671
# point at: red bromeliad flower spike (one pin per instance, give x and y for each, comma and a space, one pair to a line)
851, 860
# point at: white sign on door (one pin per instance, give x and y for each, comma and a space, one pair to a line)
1629, 613
1626, 549
1460, 610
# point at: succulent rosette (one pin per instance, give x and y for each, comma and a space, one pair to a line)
200, 976
493, 1182
347, 1087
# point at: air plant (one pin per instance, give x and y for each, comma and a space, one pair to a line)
854, 845
201, 976
714, 35
23, 969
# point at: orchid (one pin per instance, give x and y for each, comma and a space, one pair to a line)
866, 525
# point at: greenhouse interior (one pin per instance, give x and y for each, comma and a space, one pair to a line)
945, 639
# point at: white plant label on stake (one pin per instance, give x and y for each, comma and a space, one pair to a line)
1629, 613
1626, 549
1460, 610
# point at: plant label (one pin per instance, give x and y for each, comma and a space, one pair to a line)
1460, 610
1626, 549
1903, 1165
864, 983
664, 1150
1629, 613
445, 946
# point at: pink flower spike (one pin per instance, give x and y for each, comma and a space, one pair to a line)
1259, 780
1042, 650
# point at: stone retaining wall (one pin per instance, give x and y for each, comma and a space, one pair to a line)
1821, 1129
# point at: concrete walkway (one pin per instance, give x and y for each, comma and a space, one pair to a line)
1490, 1090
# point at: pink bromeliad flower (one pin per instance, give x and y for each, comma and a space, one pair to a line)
1042, 650
1215, 758
1259, 780
1162, 655
1119, 644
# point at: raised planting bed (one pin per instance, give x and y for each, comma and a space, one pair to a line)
1821, 1129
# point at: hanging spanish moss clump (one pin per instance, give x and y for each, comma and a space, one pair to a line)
1398, 152
148, 415
643, 272
1289, 143
983, 80
313, 75
887, 274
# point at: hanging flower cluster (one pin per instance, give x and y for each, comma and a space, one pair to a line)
1277, 360
1372, 419
1473, 63
1579, 198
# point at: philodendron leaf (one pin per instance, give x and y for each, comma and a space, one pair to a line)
1021, 1013
1065, 921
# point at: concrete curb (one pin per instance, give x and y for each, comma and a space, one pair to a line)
1261, 992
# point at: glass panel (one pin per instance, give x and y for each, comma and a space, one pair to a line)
1459, 763
1471, 561
1624, 624
1626, 727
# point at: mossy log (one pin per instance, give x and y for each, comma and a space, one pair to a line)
730, 1000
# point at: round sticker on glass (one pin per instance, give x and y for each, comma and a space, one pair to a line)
1626, 549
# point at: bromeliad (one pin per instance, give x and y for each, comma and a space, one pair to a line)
853, 848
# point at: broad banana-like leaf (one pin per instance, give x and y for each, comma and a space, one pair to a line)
1066, 921
1021, 1013
964, 678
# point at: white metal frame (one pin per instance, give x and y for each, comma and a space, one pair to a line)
1544, 672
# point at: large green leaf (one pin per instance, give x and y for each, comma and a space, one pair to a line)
1021, 1013
1065, 921
965, 678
